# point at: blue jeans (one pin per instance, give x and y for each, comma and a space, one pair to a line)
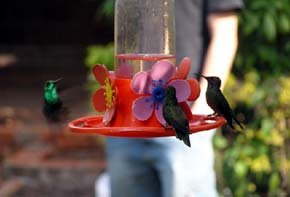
161, 167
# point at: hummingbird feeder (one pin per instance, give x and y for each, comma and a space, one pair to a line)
132, 95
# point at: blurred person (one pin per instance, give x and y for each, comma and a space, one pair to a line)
206, 32
102, 188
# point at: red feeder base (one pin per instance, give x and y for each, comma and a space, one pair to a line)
124, 124
94, 125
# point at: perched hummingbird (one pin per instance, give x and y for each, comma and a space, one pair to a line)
53, 108
216, 100
175, 116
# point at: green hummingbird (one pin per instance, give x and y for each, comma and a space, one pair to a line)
175, 116
53, 108
217, 101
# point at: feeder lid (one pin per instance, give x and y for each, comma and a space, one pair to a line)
93, 124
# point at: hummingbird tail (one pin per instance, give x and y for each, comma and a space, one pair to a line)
236, 120
232, 126
241, 126
186, 140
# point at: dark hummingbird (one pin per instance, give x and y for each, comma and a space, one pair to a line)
53, 108
217, 101
175, 116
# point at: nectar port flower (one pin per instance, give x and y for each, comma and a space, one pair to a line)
109, 93
151, 85
104, 99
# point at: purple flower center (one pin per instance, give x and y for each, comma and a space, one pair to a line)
158, 94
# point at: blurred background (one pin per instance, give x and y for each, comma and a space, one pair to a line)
42, 40
39, 41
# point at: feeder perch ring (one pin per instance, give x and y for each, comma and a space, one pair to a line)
94, 125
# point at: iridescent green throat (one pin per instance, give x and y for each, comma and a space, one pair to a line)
50, 93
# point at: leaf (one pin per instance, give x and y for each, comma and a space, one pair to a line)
251, 23
99, 54
220, 142
284, 23
269, 27
274, 181
107, 9
267, 125
241, 169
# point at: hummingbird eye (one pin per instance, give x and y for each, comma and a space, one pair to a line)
49, 84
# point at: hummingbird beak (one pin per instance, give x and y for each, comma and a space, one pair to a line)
57, 80
200, 75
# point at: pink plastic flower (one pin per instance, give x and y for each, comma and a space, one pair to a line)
151, 85
104, 99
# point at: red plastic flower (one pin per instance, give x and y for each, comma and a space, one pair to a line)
104, 99
182, 73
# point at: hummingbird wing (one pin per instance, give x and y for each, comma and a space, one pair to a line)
54, 113
75, 99
73, 94
223, 108
175, 116
72, 103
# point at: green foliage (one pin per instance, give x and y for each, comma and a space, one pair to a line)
256, 161
99, 54
108, 8
255, 158
264, 37
106, 11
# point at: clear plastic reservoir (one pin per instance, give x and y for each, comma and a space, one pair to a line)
144, 34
